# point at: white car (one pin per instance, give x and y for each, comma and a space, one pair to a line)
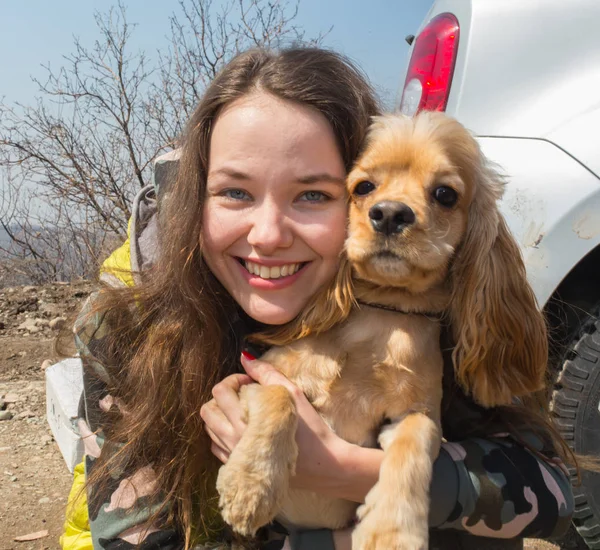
524, 76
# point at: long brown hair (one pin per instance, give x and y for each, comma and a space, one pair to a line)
169, 340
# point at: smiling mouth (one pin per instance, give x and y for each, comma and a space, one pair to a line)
271, 272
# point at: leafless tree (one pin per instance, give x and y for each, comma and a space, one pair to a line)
71, 163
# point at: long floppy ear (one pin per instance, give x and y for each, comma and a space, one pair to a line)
328, 307
502, 349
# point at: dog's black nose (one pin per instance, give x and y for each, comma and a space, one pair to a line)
390, 217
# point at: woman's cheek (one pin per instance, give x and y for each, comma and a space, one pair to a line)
332, 234
219, 227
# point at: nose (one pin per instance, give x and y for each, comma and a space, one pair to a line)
270, 229
389, 217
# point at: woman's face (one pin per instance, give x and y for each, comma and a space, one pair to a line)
275, 212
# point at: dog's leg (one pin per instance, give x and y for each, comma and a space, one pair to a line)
255, 479
395, 513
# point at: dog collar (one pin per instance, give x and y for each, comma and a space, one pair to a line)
434, 315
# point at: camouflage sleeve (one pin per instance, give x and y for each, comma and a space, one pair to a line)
495, 487
117, 513
485, 482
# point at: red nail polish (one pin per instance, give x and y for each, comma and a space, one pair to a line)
248, 356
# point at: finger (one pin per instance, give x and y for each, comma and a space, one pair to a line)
220, 453
218, 426
267, 375
236, 381
217, 440
226, 396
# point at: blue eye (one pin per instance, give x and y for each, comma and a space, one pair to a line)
236, 194
314, 196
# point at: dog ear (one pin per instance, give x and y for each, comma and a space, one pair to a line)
502, 349
328, 307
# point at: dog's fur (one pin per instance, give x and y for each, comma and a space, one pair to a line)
375, 375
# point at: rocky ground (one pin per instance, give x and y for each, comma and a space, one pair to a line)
34, 481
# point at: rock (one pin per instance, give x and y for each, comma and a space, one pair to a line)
57, 323
32, 536
4, 449
30, 325
45, 439
2, 404
6, 415
2, 325
25, 414
10, 398
13, 478
44, 500
51, 310
25, 305
29, 289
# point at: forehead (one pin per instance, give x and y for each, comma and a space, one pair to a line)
262, 121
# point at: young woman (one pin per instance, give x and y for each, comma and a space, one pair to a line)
248, 231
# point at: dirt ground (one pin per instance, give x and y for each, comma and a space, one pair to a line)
34, 481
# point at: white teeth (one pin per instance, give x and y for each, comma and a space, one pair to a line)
274, 272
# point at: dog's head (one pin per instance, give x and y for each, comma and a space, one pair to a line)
410, 193
424, 212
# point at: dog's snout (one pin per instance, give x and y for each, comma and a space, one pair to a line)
390, 217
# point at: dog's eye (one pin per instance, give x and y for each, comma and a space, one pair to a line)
363, 188
446, 196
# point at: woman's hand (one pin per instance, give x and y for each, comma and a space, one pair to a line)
326, 463
223, 415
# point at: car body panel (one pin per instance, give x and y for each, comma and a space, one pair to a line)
551, 204
529, 69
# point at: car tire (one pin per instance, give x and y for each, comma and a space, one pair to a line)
575, 405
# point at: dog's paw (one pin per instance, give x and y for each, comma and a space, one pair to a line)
382, 537
382, 526
248, 499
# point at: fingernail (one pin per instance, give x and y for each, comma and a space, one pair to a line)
248, 356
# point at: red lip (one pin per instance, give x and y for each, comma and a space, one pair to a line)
270, 284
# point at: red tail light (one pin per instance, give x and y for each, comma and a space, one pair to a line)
431, 66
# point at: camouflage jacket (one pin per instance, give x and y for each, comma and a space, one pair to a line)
482, 487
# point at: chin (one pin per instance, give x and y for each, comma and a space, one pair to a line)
271, 314
384, 269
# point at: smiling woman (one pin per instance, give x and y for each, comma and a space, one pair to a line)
274, 216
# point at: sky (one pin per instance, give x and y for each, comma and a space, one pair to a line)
40, 32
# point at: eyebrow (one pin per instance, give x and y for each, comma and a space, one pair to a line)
230, 172
312, 178
318, 178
